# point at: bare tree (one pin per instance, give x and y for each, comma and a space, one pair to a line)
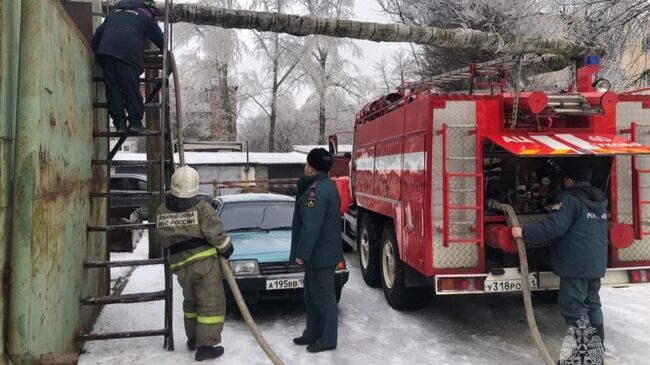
341, 28
291, 128
493, 16
327, 67
392, 71
623, 26
207, 58
282, 55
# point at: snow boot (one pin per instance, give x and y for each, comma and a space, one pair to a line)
302, 341
191, 344
208, 352
317, 347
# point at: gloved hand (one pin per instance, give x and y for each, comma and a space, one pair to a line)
226, 254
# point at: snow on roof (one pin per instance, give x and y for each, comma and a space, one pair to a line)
130, 156
343, 148
228, 158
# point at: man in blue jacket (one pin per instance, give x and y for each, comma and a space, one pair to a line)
578, 225
119, 45
316, 244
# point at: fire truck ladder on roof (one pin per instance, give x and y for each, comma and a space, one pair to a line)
160, 162
494, 67
451, 194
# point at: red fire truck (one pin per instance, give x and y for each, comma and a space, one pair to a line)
425, 163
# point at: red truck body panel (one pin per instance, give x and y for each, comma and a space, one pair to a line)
409, 161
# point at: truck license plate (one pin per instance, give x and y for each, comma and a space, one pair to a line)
498, 286
276, 284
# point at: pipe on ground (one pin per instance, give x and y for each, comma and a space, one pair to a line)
225, 267
513, 221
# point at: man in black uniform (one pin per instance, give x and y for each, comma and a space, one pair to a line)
119, 45
316, 244
578, 224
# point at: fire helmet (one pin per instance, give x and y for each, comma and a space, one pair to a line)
185, 182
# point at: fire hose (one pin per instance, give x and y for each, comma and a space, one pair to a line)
225, 265
513, 221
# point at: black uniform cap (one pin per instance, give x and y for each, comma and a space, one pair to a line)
320, 159
578, 172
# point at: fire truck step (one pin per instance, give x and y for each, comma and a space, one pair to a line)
124, 263
463, 174
126, 194
127, 163
464, 240
128, 134
125, 298
462, 158
464, 207
146, 105
458, 223
115, 335
117, 227
461, 126
462, 190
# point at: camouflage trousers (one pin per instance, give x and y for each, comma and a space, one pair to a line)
204, 301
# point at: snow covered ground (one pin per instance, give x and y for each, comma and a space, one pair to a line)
455, 330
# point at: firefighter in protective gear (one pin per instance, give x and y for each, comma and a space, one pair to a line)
578, 225
188, 225
316, 244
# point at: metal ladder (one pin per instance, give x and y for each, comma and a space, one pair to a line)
637, 200
156, 97
448, 192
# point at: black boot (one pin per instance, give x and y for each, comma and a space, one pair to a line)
191, 344
302, 341
317, 347
208, 352
135, 127
120, 125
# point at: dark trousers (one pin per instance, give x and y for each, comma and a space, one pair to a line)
578, 298
321, 307
122, 82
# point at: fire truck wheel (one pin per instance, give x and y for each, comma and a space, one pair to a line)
397, 294
368, 240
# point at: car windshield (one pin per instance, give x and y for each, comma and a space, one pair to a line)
254, 215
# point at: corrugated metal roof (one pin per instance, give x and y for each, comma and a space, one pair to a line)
343, 148
228, 158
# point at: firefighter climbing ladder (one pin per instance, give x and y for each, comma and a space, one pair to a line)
159, 154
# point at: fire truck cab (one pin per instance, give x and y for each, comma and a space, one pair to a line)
424, 165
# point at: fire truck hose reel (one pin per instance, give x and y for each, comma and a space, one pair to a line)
225, 265
513, 221
621, 235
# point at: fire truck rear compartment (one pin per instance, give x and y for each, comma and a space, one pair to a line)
530, 185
